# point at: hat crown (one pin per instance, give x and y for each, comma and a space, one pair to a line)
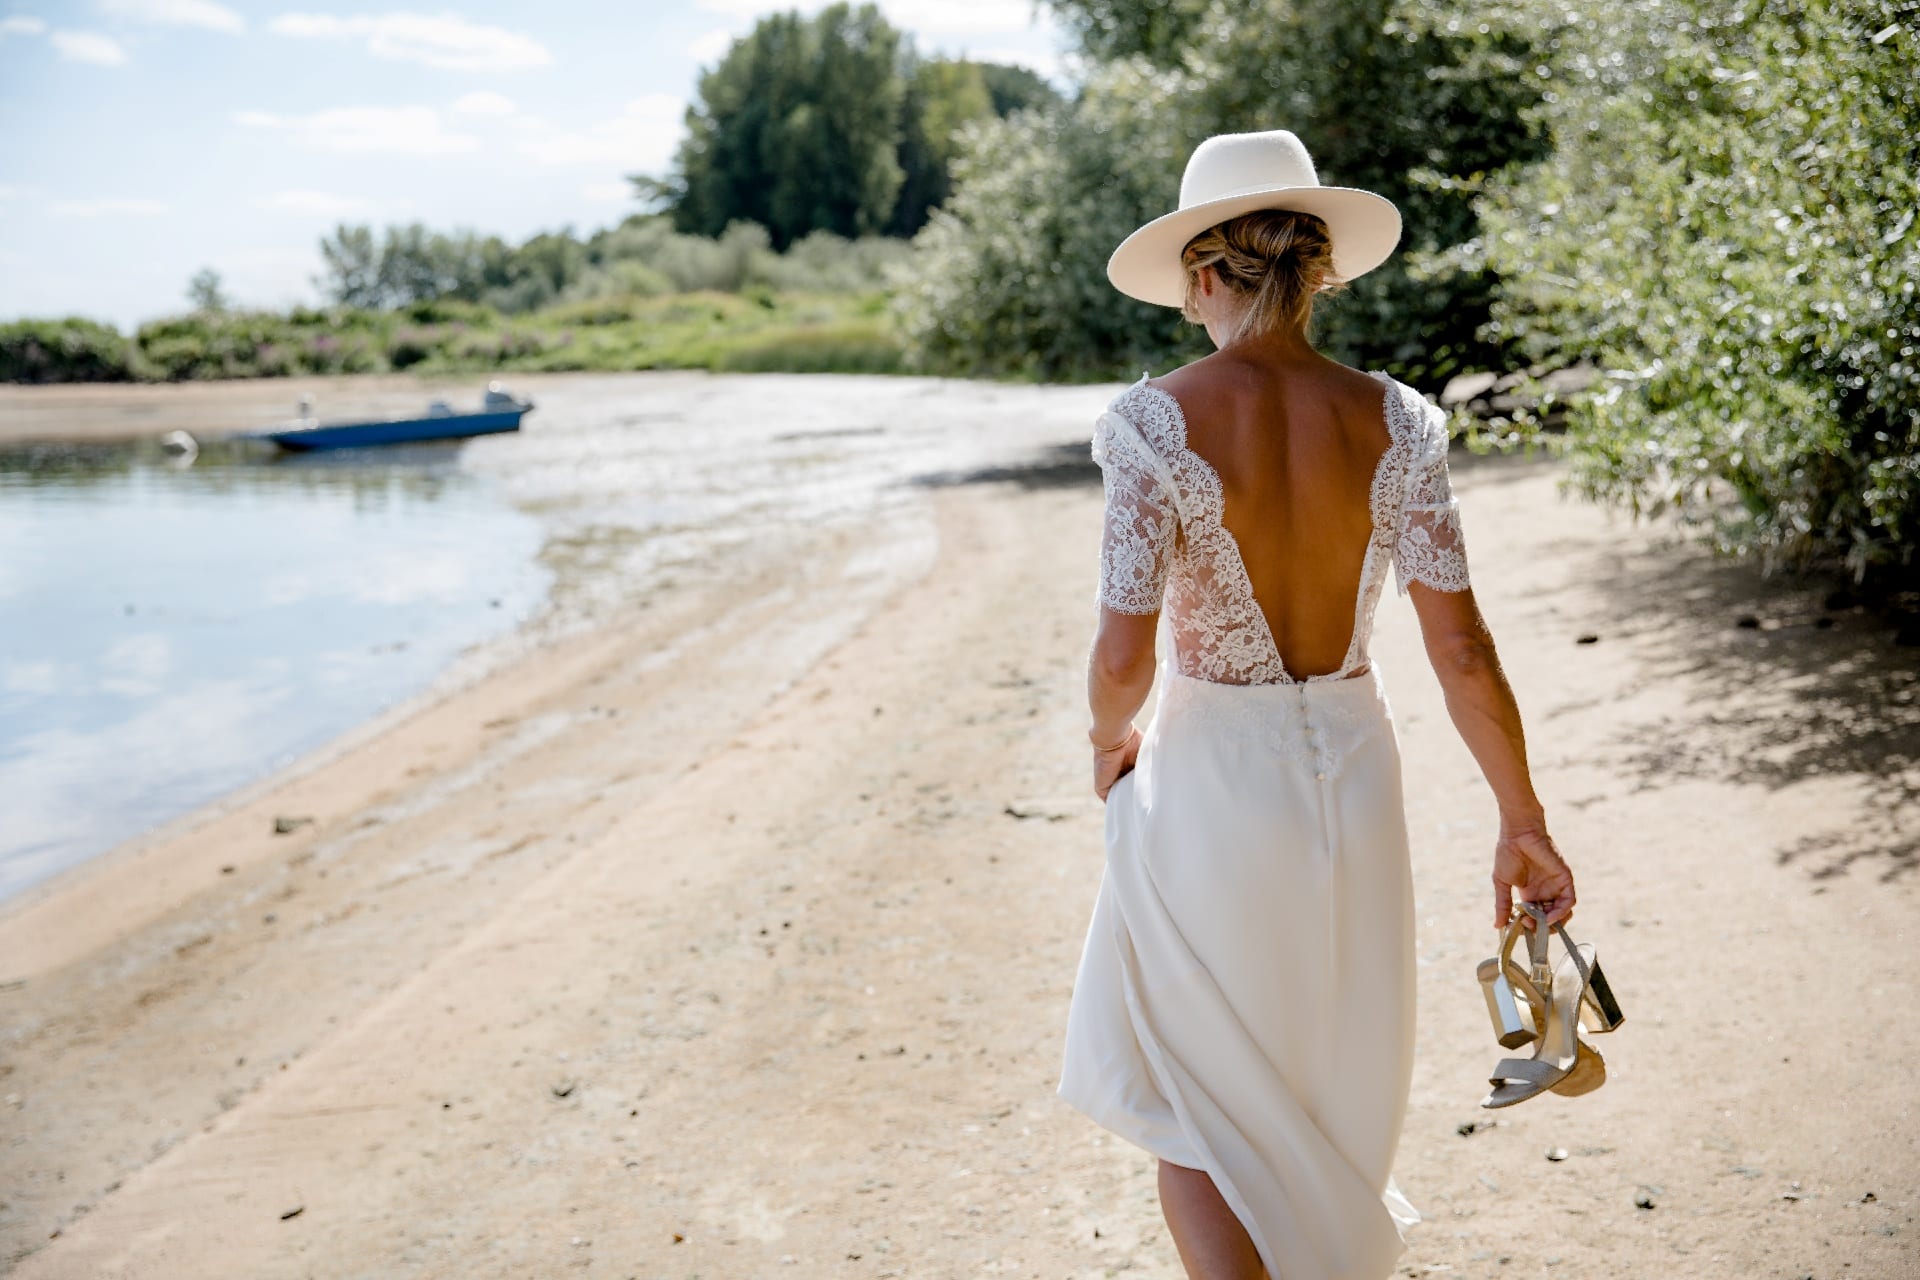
1230, 163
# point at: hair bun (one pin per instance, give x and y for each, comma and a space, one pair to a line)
1277, 259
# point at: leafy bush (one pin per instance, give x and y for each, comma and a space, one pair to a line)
822, 262
1008, 278
1726, 225
856, 346
70, 350
1393, 95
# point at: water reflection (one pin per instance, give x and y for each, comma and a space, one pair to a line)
169, 633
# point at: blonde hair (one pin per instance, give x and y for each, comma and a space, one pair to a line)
1276, 260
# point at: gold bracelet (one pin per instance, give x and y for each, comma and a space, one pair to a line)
1116, 746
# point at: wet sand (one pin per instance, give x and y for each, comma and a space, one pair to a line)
732, 935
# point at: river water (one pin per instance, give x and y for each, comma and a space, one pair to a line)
170, 633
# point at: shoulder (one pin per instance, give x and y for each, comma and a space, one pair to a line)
1412, 419
1152, 411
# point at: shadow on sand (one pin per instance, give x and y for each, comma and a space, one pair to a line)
1060, 466
1798, 680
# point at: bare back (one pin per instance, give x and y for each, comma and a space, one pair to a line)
1256, 505
1296, 447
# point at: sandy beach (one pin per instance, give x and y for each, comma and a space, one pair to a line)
732, 935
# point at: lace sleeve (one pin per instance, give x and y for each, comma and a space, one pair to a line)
1136, 542
1431, 548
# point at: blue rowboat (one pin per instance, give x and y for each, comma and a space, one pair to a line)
499, 411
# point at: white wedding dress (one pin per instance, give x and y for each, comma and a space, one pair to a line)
1245, 1001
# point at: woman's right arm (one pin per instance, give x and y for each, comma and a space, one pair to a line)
1482, 707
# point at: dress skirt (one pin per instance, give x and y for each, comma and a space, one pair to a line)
1245, 1001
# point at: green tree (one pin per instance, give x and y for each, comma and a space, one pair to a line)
1397, 96
205, 291
414, 266
1008, 277
1726, 224
1158, 30
940, 97
796, 128
1014, 89
350, 267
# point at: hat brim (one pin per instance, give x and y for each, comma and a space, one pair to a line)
1364, 228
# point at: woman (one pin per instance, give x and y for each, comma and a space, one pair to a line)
1244, 1006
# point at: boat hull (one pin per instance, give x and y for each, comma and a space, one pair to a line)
355, 435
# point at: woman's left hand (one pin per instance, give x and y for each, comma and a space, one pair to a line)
1115, 763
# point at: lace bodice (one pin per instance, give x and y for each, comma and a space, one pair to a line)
1164, 545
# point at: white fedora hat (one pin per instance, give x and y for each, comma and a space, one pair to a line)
1234, 173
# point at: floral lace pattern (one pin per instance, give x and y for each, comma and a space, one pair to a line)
1164, 546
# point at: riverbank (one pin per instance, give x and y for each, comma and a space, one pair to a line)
111, 411
732, 934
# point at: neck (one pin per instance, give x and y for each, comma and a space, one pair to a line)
1275, 344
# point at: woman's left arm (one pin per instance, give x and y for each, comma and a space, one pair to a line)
1119, 677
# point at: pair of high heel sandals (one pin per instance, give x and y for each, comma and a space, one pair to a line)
1546, 1005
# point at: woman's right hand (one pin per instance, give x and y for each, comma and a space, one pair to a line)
1525, 858
1112, 765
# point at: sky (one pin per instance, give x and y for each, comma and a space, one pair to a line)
142, 140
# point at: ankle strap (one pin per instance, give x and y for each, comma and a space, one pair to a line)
1537, 949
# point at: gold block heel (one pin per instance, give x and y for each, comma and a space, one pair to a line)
1589, 1073
1562, 998
1599, 1011
1510, 1027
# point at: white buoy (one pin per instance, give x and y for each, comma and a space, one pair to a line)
180, 447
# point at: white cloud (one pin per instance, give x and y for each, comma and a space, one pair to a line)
21, 24
755, 8
268, 277
712, 46
137, 665
323, 204
39, 678
443, 40
485, 102
88, 46
641, 137
415, 131
607, 192
178, 13
922, 17
945, 18
111, 207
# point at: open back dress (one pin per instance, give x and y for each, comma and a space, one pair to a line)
1245, 999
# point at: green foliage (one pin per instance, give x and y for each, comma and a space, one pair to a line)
1008, 278
760, 330
822, 262
1012, 277
350, 267
853, 346
70, 350
1011, 89
1726, 225
205, 292
412, 264
829, 123
940, 97
796, 128
1157, 30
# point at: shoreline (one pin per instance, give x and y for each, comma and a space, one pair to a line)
743, 945
120, 412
